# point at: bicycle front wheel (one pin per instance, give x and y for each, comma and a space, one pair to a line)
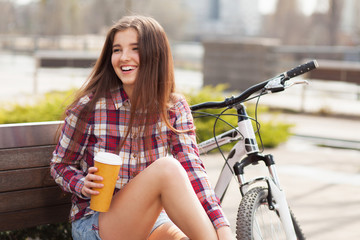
256, 221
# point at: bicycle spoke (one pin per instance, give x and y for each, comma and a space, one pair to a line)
267, 224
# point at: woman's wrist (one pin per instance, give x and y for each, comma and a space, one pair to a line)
225, 233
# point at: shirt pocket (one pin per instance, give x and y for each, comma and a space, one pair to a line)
159, 146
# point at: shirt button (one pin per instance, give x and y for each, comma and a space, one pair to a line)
134, 155
126, 103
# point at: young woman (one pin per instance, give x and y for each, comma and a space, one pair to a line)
128, 107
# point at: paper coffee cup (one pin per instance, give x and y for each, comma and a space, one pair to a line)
108, 165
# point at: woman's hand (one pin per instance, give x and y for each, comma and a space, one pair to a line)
89, 183
224, 233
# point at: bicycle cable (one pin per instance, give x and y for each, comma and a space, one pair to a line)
205, 114
218, 117
263, 92
258, 125
217, 143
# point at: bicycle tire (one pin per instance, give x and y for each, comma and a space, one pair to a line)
247, 225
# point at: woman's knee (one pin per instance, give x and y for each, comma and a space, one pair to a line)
169, 168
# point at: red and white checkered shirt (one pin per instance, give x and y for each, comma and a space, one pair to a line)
105, 129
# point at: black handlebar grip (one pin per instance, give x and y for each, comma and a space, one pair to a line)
303, 68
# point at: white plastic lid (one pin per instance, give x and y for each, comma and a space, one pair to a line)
108, 158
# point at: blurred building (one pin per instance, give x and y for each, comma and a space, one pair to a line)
350, 20
222, 17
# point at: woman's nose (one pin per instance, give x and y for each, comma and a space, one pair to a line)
125, 55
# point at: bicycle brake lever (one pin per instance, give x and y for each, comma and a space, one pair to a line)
294, 82
276, 84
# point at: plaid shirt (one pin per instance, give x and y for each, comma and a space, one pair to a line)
105, 129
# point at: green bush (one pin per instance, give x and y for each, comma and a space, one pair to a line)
50, 107
273, 133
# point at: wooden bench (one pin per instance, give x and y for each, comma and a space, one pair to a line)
28, 194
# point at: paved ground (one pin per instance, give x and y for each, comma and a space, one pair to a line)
322, 184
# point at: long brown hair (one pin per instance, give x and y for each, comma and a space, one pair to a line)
154, 86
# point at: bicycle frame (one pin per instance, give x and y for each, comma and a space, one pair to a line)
244, 153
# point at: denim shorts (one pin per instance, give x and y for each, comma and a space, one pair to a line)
87, 228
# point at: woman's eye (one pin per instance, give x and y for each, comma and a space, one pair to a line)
136, 49
116, 50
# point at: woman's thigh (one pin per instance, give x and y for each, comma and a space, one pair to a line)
135, 208
167, 231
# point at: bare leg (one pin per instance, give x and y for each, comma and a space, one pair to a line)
164, 184
167, 231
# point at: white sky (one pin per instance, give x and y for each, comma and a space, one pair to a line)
308, 6
265, 6
23, 1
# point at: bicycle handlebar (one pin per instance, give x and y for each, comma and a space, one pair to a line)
302, 69
279, 80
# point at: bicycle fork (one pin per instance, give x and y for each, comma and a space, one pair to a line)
248, 146
276, 196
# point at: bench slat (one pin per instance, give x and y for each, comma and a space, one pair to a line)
28, 134
33, 217
32, 198
17, 158
13, 180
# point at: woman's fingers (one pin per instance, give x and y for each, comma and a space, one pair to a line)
92, 170
93, 177
88, 192
89, 183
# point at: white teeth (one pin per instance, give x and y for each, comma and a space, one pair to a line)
127, 68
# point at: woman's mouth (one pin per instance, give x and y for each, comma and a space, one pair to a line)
128, 68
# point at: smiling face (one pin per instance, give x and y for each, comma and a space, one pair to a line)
125, 58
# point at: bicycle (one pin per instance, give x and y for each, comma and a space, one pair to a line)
263, 211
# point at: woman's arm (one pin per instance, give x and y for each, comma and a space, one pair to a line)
65, 162
184, 148
224, 233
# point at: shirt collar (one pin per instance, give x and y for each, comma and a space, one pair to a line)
119, 97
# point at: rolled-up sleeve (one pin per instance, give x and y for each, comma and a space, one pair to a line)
184, 148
